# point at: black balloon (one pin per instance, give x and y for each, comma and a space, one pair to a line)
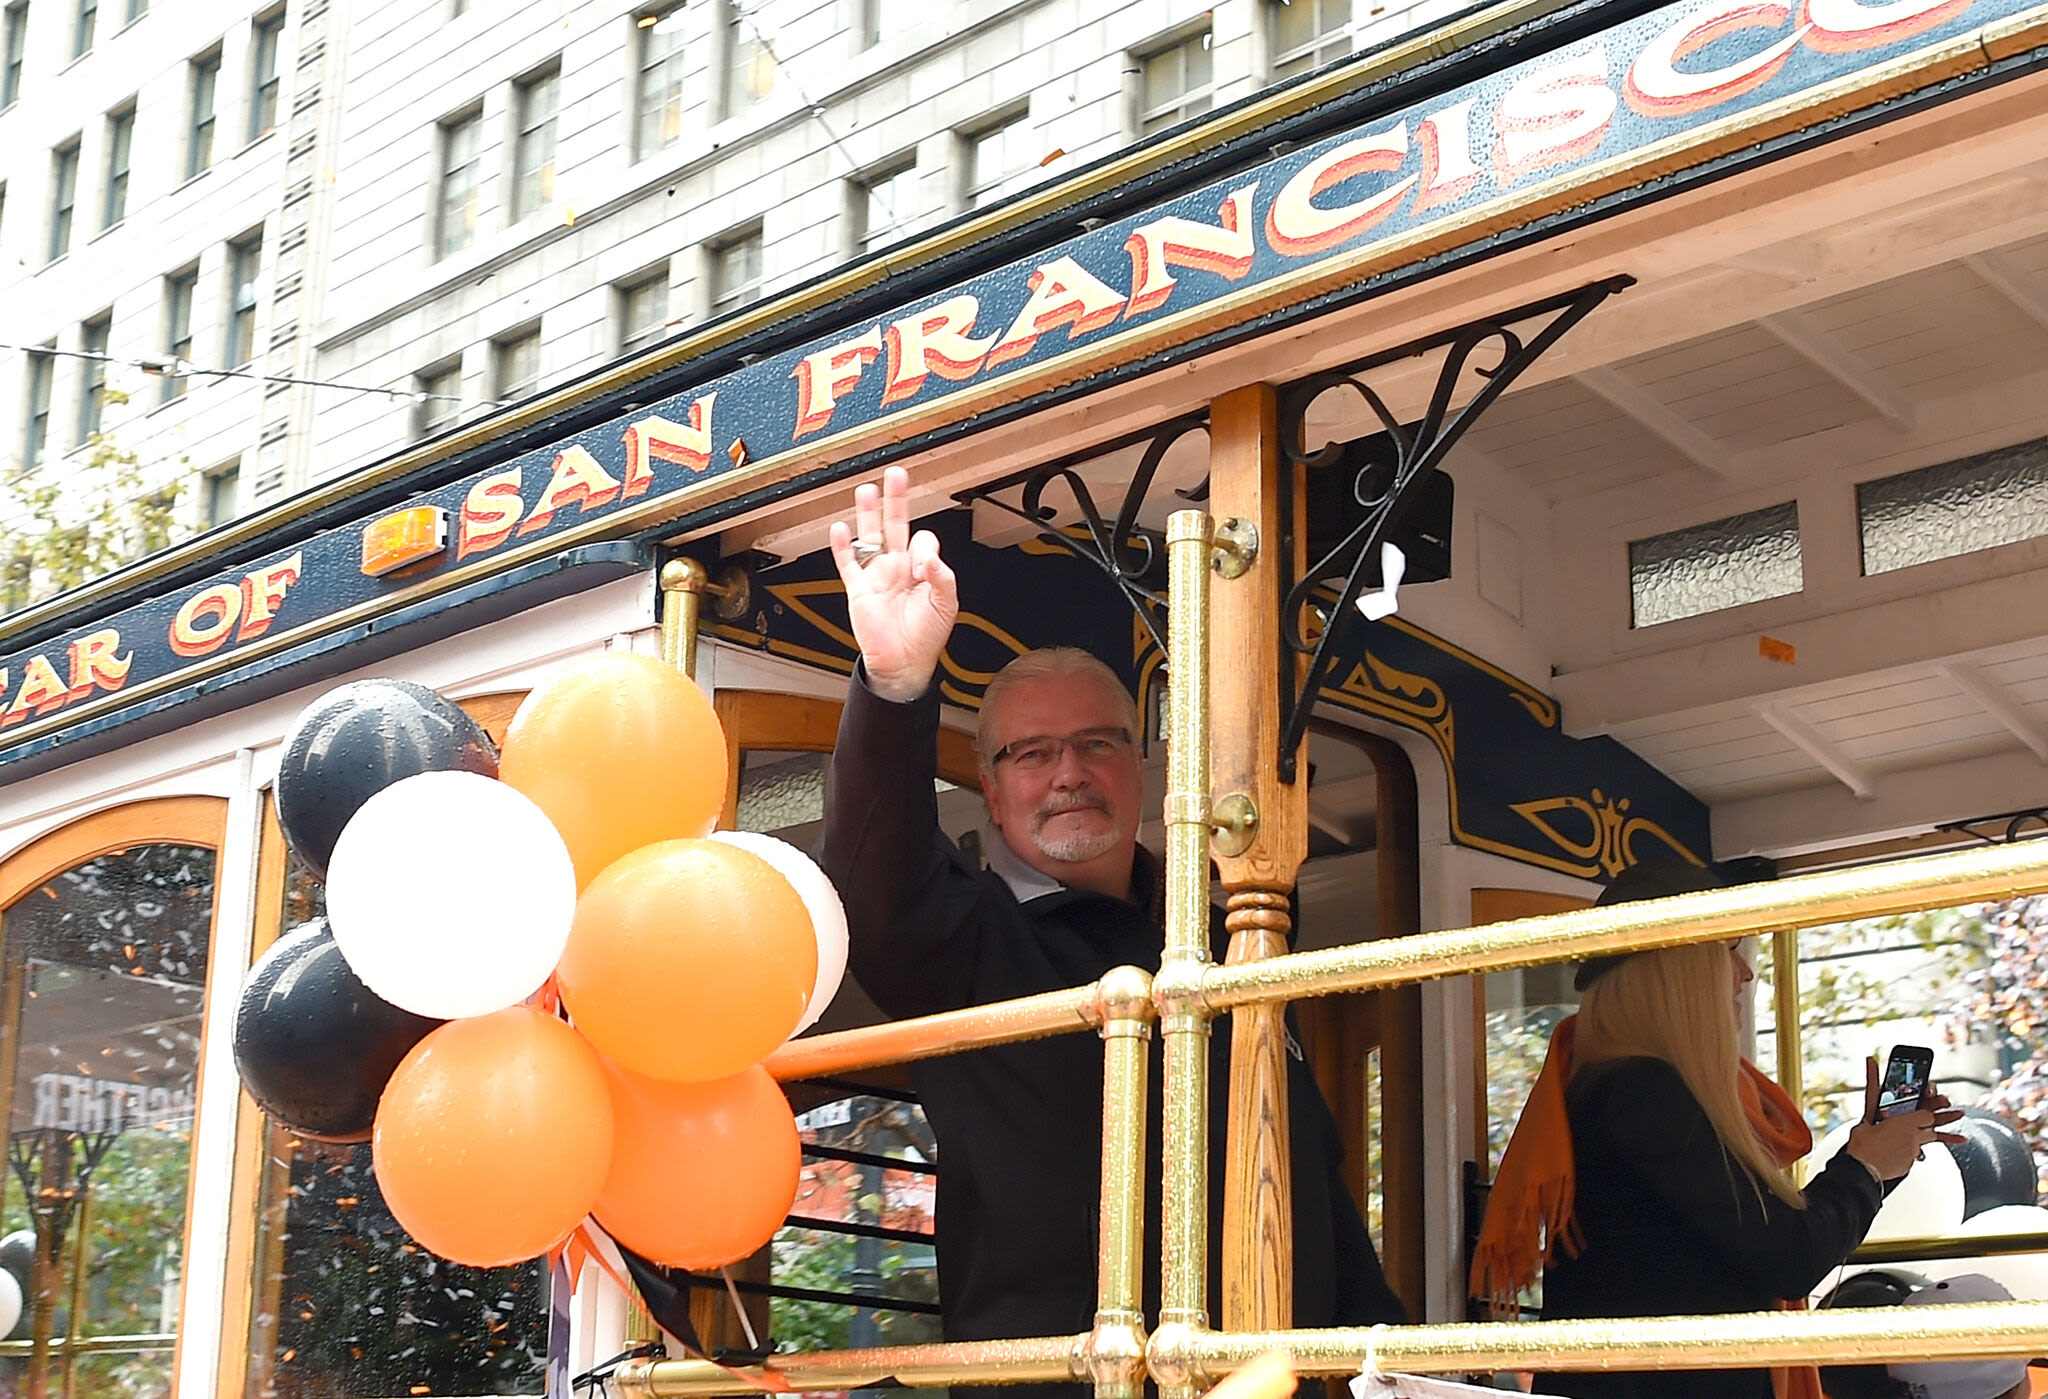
18, 1254
313, 1045
1996, 1166
358, 739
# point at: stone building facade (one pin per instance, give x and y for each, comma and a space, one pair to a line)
463, 202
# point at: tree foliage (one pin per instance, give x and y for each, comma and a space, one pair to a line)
68, 521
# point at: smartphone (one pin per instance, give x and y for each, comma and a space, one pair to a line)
1906, 1076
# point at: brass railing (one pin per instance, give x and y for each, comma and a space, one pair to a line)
1183, 1355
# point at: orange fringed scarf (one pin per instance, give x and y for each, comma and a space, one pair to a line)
1530, 1216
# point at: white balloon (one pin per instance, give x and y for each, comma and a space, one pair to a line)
451, 895
821, 901
1927, 1204
10, 1301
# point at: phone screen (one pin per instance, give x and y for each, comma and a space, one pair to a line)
1905, 1081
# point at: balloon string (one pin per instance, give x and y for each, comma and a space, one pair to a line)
746, 1322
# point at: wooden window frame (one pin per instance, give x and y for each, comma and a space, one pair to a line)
188, 820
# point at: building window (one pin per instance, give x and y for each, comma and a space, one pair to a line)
1723, 563
222, 499
3, 208
88, 21
245, 259
515, 366
440, 402
1956, 507
885, 206
120, 139
180, 290
535, 101
94, 337
660, 123
1174, 83
63, 196
16, 40
42, 374
263, 40
643, 312
199, 143
461, 160
881, 19
1306, 34
137, 9
1000, 160
750, 69
736, 272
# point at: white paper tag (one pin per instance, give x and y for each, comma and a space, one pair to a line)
1413, 1387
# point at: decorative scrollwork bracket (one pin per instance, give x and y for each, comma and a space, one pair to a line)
1132, 556
1387, 497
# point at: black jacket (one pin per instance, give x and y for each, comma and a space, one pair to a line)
1019, 1126
1674, 1226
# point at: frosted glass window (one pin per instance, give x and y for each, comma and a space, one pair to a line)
1723, 563
781, 790
1955, 508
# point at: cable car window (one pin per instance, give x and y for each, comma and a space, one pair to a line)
106, 980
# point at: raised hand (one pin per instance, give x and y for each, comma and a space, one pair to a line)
900, 595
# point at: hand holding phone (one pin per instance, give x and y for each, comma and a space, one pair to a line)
1906, 1078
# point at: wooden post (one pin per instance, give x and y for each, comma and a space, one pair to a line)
1245, 651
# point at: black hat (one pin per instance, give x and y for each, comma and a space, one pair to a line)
1652, 879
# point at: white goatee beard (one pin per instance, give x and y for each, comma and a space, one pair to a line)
1075, 849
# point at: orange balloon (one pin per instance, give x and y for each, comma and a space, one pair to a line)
704, 1173
688, 960
620, 751
493, 1137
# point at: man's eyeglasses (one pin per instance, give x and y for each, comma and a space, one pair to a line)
1091, 746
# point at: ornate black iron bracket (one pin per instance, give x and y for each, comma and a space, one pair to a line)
1134, 557
1388, 495
2004, 828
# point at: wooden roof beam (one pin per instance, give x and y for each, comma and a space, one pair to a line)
1811, 344
1996, 270
1997, 701
1846, 770
1637, 404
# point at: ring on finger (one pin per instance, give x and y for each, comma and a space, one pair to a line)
866, 551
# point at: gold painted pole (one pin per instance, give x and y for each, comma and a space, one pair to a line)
1979, 875
1785, 1002
1053, 1359
1258, 866
930, 1036
1741, 1340
1177, 990
1115, 1350
683, 585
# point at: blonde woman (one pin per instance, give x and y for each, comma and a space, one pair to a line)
1648, 1175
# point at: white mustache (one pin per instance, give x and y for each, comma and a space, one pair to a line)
1077, 801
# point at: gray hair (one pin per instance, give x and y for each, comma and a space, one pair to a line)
1048, 662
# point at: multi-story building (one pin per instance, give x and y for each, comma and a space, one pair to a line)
459, 203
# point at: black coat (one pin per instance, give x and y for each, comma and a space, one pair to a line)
1675, 1226
1019, 1126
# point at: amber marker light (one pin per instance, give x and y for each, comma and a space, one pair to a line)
404, 538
